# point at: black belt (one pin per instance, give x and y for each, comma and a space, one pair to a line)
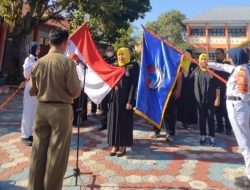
234, 98
53, 102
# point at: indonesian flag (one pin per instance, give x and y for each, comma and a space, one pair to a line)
100, 76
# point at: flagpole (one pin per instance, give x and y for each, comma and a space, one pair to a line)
186, 56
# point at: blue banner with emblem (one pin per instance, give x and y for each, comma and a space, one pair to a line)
158, 73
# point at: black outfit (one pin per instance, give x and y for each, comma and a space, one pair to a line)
205, 86
93, 107
169, 119
83, 106
221, 110
186, 104
120, 120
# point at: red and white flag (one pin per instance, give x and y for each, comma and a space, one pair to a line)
100, 76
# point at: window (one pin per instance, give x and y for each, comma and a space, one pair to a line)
236, 32
212, 56
216, 32
197, 32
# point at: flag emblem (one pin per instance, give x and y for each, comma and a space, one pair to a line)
154, 77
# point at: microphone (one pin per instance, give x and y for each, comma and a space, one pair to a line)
77, 60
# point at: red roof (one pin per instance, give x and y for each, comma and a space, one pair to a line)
64, 24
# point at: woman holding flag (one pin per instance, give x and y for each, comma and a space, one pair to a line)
238, 97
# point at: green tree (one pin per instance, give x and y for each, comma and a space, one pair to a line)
107, 18
22, 22
169, 26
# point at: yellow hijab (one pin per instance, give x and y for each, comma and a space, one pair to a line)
126, 57
203, 56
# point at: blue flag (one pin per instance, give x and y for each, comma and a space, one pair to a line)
158, 73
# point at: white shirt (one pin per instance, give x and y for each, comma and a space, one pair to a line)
231, 83
27, 66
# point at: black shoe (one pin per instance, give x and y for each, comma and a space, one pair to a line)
102, 128
242, 182
120, 154
31, 138
202, 140
27, 141
155, 135
229, 132
112, 153
212, 141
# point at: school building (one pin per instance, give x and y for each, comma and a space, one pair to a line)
218, 28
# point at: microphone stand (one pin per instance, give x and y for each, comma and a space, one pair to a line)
76, 170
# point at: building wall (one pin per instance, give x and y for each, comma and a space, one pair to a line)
205, 43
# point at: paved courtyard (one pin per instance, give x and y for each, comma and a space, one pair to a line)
149, 164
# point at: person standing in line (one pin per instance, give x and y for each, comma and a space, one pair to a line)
186, 104
238, 98
29, 102
221, 110
207, 94
120, 113
169, 118
55, 82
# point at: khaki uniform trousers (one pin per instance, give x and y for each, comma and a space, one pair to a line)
50, 150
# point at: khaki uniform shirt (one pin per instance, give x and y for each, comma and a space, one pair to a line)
54, 78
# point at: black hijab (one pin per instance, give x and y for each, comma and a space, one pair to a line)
33, 47
238, 55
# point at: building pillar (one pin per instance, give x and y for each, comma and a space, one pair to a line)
3, 32
227, 37
248, 31
207, 40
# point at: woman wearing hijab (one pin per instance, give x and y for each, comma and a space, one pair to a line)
29, 102
206, 90
120, 113
238, 97
186, 104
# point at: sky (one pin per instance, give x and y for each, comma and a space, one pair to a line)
187, 7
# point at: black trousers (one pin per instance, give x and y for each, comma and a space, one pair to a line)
104, 107
93, 107
220, 113
169, 119
206, 115
80, 103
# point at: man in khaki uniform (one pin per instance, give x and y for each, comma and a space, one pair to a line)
55, 82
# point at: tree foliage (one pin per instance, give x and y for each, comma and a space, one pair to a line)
109, 18
169, 26
22, 19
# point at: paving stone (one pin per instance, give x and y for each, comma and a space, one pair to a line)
146, 164
134, 179
116, 179
8, 165
107, 173
183, 178
167, 178
198, 185
22, 183
150, 179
